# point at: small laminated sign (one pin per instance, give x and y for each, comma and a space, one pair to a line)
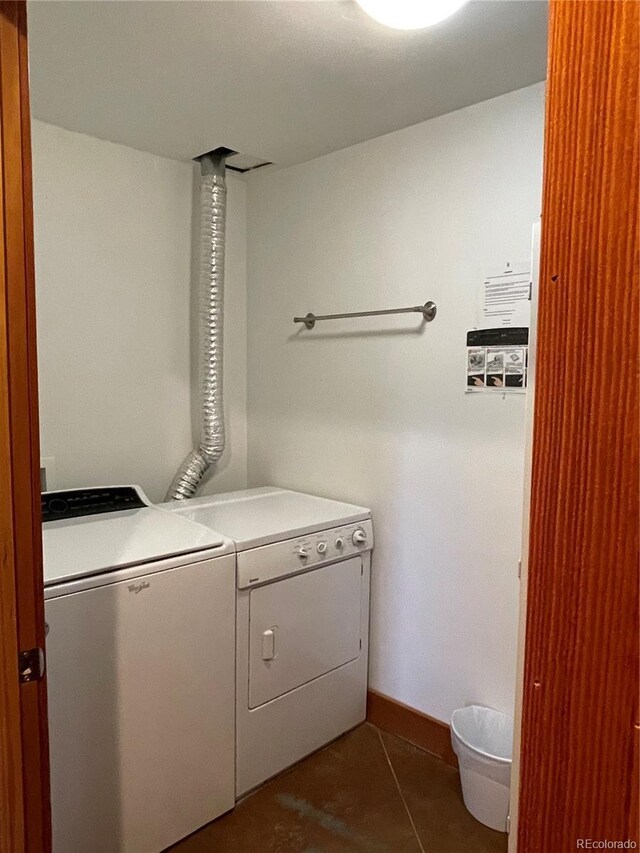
497, 360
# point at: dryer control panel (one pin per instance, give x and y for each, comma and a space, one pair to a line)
270, 562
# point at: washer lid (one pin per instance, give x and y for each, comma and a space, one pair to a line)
74, 547
257, 517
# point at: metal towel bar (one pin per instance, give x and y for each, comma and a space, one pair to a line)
428, 311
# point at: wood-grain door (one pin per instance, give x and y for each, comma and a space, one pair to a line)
579, 751
24, 772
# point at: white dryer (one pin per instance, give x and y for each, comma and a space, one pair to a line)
139, 606
302, 625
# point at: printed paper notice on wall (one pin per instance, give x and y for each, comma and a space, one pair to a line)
506, 298
497, 360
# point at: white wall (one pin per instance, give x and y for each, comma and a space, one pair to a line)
374, 411
113, 246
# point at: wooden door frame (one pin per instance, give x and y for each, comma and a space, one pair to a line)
24, 761
589, 245
578, 759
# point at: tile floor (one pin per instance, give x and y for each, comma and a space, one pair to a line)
368, 791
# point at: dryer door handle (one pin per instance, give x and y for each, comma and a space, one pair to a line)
269, 643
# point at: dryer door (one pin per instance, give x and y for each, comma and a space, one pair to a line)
302, 627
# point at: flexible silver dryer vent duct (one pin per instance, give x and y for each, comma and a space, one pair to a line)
213, 214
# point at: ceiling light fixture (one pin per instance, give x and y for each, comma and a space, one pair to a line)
410, 14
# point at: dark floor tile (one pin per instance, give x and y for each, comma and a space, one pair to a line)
432, 793
341, 800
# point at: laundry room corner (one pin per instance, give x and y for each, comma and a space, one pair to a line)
116, 243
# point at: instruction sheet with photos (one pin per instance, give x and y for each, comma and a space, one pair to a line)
497, 360
498, 348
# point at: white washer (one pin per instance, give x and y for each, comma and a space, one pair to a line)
303, 574
139, 606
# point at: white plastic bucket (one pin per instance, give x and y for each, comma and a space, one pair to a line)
482, 739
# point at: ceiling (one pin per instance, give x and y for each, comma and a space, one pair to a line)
284, 80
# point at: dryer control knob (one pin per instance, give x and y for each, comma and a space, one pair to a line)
322, 547
359, 537
302, 552
339, 543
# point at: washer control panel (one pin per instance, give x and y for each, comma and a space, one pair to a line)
269, 562
73, 503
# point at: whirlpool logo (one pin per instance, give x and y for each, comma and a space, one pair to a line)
138, 587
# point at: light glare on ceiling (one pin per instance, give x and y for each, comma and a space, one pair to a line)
410, 14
